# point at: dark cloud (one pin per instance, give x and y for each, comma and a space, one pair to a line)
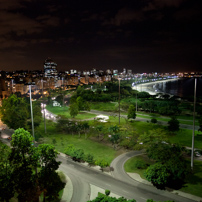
148, 34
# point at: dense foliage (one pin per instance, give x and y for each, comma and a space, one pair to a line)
19, 170
170, 168
15, 112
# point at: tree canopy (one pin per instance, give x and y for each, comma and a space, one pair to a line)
170, 168
15, 112
24, 159
131, 112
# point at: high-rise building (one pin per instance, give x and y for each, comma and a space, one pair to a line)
50, 69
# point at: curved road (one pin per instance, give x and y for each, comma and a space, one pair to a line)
82, 177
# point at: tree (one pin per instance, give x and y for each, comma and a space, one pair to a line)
24, 159
115, 139
131, 112
151, 137
158, 175
114, 129
171, 158
99, 129
173, 124
14, 112
153, 120
85, 127
74, 110
49, 179
60, 99
62, 124
6, 178
36, 114
80, 103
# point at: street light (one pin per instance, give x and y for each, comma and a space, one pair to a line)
30, 93
119, 99
44, 113
192, 151
136, 94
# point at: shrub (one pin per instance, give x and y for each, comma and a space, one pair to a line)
139, 164
90, 159
107, 192
102, 163
78, 155
69, 150
54, 141
153, 120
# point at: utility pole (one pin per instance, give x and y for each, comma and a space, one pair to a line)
44, 113
136, 95
30, 93
192, 151
119, 99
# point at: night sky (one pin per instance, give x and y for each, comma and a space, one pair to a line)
142, 35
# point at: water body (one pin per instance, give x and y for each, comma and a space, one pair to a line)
183, 87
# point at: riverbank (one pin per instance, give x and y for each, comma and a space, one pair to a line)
150, 86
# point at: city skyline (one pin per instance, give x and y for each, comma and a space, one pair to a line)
144, 36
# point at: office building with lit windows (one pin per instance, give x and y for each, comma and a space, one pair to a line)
50, 69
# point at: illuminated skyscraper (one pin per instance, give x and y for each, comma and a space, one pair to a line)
50, 69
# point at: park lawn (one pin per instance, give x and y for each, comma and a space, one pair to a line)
184, 138
98, 149
64, 111
142, 127
104, 106
130, 165
193, 183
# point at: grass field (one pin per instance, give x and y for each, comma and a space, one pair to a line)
98, 149
184, 137
130, 165
104, 106
64, 111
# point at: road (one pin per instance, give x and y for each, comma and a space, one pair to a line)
82, 177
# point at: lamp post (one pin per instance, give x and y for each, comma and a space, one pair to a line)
119, 99
30, 94
136, 94
192, 151
44, 113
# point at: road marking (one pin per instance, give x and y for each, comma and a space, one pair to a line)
108, 185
